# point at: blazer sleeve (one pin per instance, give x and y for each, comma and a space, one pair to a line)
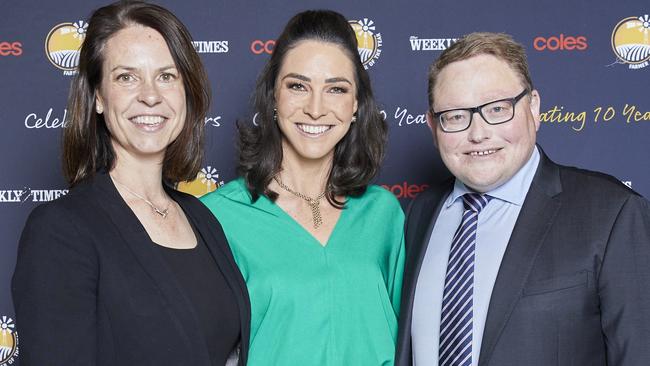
624, 286
54, 290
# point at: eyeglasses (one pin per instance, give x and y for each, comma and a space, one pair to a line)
493, 113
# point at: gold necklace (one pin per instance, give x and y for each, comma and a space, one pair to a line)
312, 202
161, 212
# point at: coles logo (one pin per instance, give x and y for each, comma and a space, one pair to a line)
405, 190
207, 180
259, 47
560, 43
11, 48
8, 341
368, 40
631, 41
62, 45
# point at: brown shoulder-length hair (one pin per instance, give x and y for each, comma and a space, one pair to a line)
87, 147
499, 45
357, 157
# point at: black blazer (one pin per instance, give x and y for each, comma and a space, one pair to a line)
90, 289
573, 287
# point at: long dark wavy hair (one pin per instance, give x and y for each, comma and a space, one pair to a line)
87, 147
357, 156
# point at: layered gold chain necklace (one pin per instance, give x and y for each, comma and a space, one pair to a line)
314, 203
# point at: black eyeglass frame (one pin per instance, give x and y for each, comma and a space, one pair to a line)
513, 101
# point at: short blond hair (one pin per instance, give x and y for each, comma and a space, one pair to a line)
499, 45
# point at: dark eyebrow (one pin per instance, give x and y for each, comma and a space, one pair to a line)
297, 76
167, 67
129, 68
327, 81
337, 80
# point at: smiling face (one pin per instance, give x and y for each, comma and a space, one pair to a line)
141, 94
315, 95
484, 156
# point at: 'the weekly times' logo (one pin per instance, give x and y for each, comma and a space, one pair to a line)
30, 195
631, 41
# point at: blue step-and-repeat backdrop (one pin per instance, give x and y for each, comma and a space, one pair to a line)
589, 61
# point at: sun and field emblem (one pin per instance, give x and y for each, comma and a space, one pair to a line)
8, 341
631, 41
368, 40
207, 180
62, 45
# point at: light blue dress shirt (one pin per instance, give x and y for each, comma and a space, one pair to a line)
495, 224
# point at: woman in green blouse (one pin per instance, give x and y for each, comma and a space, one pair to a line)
320, 249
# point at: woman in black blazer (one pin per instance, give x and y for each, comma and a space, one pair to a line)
125, 270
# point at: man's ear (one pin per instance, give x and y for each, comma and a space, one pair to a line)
535, 103
432, 126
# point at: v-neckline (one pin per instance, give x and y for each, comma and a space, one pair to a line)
322, 245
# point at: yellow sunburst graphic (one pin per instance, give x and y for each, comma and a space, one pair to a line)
8, 340
207, 180
63, 42
631, 40
368, 40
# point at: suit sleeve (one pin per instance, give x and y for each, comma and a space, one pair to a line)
54, 290
624, 286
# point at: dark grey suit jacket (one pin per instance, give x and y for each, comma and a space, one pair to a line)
90, 288
574, 284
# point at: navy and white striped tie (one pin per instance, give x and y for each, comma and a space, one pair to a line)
455, 347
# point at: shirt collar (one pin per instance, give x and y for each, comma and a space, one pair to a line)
513, 191
240, 194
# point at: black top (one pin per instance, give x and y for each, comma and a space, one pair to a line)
208, 292
88, 273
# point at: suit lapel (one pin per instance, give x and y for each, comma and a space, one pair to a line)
136, 238
421, 221
537, 214
421, 218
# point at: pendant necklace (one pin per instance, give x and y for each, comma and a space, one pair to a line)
312, 202
161, 212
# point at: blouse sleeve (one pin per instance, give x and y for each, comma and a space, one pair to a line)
54, 290
397, 256
396, 275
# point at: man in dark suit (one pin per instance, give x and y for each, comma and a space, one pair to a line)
517, 261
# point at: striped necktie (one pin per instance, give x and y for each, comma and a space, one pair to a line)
455, 347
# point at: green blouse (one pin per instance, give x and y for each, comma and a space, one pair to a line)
312, 304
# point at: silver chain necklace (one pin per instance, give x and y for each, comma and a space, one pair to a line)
313, 203
160, 212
